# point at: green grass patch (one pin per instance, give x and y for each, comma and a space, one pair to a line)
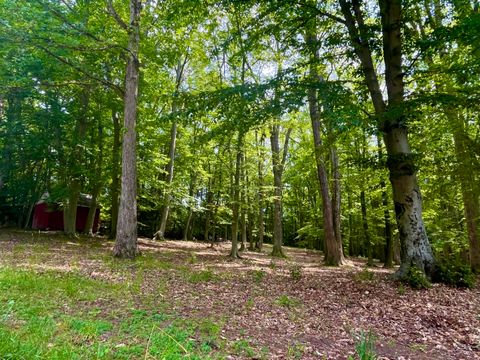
287, 301
201, 276
63, 315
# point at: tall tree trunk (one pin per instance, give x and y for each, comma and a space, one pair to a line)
126, 237
278, 162
188, 223
250, 222
236, 196
209, 206
97, 184
160, 234
191, 191
243, 207
115, 186
332, 249
367, 241
415, 247
469, 188
350, 224
261, 225
336, 195
386, 215
466, 171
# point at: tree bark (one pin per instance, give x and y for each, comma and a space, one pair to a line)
261, 225
160, 234
278, 161
386, 215
465, 160
191, 191
367, 241
350, 224
126, 237
97, 184
415, 247
236, 197
336, 195
243, 205
332, 249
115, 186
469, 188
277, 202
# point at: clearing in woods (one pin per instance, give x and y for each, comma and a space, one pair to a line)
63, 299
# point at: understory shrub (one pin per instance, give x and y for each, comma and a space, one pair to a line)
364, 346
454, 273
416, 278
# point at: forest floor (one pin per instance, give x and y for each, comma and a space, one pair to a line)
63, 299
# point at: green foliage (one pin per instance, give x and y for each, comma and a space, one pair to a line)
454, 273
201, 276
296, 272
365, 275
287, 301
364, 346
416, 279
192, 258
295, 351
242, 347
258, 275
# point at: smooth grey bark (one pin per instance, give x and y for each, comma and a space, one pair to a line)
126, 245
278, 162
415, 247
386, 215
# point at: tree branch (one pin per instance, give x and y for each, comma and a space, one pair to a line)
118, 89
111, 10
285, 147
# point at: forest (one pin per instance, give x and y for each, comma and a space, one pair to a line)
226, 144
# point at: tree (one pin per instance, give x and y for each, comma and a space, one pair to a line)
333, 244
126, 234
415, 247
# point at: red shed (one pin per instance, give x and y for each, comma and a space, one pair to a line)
49, 216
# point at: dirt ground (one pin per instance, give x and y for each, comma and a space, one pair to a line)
281, 308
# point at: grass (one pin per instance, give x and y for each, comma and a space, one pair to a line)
52, 315
201, 276
287, 301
